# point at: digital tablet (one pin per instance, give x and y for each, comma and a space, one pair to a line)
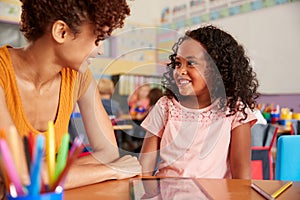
166, 188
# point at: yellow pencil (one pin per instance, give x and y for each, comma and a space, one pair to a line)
282, 189
50, 152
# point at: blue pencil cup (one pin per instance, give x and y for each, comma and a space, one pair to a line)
44, 196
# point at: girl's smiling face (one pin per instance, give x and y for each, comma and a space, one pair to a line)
190, 67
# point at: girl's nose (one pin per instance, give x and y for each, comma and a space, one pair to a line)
183, 70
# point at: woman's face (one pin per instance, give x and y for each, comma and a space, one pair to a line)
190, 68
80, 50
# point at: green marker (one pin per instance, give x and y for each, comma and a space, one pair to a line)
62, 155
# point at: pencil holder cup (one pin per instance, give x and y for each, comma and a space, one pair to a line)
44, 196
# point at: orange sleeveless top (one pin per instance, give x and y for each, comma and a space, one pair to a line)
73, 85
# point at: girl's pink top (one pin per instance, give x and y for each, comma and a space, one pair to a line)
194, 142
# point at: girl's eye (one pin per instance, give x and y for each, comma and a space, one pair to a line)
191, 63
177, 64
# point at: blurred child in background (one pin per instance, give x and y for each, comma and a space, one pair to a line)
106, 88
154, 95
139, 103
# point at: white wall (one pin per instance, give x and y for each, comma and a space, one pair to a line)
272, 39
145, 12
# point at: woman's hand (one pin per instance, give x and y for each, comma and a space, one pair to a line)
92, 171
126, 167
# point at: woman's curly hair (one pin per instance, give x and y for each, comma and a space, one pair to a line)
228, 68
38, 15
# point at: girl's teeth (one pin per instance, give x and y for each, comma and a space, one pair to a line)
183, 81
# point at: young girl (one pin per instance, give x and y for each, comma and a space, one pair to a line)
201, 127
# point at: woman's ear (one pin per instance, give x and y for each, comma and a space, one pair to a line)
60, 31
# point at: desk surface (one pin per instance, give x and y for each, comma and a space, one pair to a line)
224, 189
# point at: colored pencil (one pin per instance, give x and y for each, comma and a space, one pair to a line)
62, 156
10, 167
14, 143
35, 173
2, 134
27, 152
50, 151
76, 148
282, 189
31, 142
261, 191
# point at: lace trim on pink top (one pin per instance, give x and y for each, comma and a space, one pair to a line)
208, 114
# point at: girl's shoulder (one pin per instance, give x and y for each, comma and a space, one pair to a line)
240, 107
242, 115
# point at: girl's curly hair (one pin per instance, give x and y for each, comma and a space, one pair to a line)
228, 68
38, 15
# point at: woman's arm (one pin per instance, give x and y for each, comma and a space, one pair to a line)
149, 154
6, 123
98, 125
104, 163
5, 119
93, 172
240, 152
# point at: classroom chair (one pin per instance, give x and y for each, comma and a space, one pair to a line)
295, 127
263, 138
287, 158
76, 128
